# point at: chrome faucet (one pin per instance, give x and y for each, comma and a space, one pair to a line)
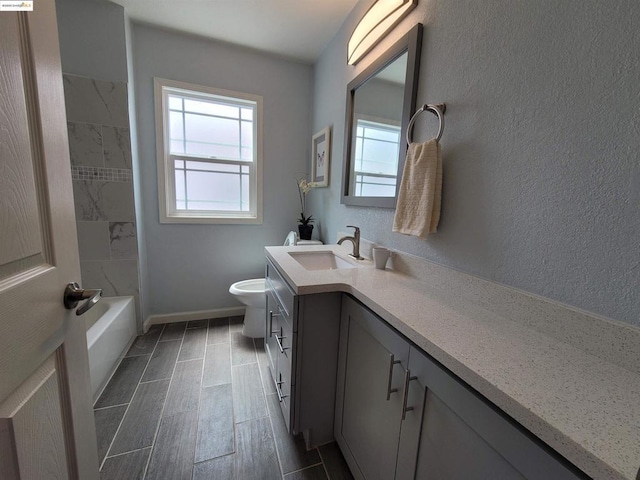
356, 242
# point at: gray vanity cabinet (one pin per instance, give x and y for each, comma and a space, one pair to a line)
433, 427
367, 426
279, 344
301, 341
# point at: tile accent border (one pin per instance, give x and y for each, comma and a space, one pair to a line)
101, 173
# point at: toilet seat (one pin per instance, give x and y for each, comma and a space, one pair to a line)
254, 285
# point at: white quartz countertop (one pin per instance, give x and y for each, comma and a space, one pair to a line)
581, 405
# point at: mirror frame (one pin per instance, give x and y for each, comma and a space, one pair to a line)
411, 43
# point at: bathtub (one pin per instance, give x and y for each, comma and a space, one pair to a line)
111, 327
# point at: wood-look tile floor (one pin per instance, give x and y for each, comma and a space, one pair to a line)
195, 401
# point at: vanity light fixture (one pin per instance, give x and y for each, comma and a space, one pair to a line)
376, 23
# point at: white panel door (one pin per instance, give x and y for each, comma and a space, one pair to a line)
46, 420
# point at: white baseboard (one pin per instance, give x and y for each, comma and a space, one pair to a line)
195, 315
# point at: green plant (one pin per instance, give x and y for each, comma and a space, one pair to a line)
305, 220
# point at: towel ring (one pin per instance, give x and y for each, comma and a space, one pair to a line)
437, 109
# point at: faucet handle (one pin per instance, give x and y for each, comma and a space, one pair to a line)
353, 226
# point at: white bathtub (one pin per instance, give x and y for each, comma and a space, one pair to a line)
111, 327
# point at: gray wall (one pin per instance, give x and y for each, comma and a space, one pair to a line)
191, 266
92, 39
541, 160
381, 99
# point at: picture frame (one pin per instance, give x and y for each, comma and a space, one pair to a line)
321, 157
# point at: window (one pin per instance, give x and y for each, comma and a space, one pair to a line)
376, 157
209, 154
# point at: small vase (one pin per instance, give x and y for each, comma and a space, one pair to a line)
305, 231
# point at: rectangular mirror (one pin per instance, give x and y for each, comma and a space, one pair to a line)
380, 102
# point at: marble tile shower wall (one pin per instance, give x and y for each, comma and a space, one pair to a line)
100, 148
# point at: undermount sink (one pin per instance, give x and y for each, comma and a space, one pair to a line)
321, 261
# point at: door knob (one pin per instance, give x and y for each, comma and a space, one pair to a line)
73, 294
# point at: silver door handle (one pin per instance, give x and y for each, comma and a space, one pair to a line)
392, 362
73, 294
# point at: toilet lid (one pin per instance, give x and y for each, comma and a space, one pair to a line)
292, 239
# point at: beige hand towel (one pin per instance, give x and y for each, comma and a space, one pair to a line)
418, 207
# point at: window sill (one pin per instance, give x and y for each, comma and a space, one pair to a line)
220, 220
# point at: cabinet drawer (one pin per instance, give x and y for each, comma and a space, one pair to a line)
271, 328
283, 388
281, 290
286, 340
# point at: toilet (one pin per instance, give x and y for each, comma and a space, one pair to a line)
252, 294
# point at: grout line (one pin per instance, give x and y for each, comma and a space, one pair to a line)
137, 355
233, 403
190, 359
250, 419
155, 435
126, 453
150, 356
215, 458
110, 406
324, 465
195, 449
243, 364
172, 339
303, 469
130, 402
156, 380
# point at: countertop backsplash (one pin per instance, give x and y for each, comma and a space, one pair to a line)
611, 340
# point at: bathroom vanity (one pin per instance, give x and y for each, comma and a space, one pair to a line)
400, 414
301, 341
434, 369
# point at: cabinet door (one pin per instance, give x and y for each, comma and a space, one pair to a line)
463, 436
370, 393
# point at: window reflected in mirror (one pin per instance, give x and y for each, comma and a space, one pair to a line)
377, 123
380, 101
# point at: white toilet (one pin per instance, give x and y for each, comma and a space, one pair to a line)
252, 294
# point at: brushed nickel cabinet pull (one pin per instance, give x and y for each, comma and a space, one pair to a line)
407, 378
271, 315
392, 362
279, 341
281, 397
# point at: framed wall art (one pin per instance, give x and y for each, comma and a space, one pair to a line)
321, 157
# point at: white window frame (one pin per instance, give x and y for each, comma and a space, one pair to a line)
381, 121
165, 161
